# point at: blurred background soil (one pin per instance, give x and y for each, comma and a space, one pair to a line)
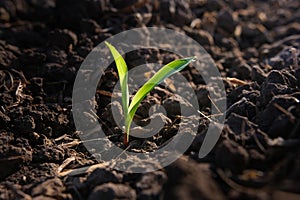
255, 44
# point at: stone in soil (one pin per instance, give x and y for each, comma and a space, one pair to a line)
191, 181
150, 185
231, 156
112, 191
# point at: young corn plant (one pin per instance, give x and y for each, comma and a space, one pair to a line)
129, 109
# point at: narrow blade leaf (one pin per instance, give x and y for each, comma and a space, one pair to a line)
165, 72
122, 72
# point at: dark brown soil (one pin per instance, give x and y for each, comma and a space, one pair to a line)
43, 43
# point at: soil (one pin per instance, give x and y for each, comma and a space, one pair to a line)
255, 45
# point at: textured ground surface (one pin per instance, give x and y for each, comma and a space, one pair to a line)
43, 43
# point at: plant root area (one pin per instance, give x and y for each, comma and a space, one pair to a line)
255, 45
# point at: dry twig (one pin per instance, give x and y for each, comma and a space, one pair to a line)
64, 164
284, 111
83, 170
236, 81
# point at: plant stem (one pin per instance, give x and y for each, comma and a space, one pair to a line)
127, 130
125, 140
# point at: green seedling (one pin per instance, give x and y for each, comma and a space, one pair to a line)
130, 109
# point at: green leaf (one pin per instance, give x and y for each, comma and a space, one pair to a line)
123, 76
165, 72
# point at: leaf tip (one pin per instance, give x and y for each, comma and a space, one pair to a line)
192, 59
189, 59
107, 43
